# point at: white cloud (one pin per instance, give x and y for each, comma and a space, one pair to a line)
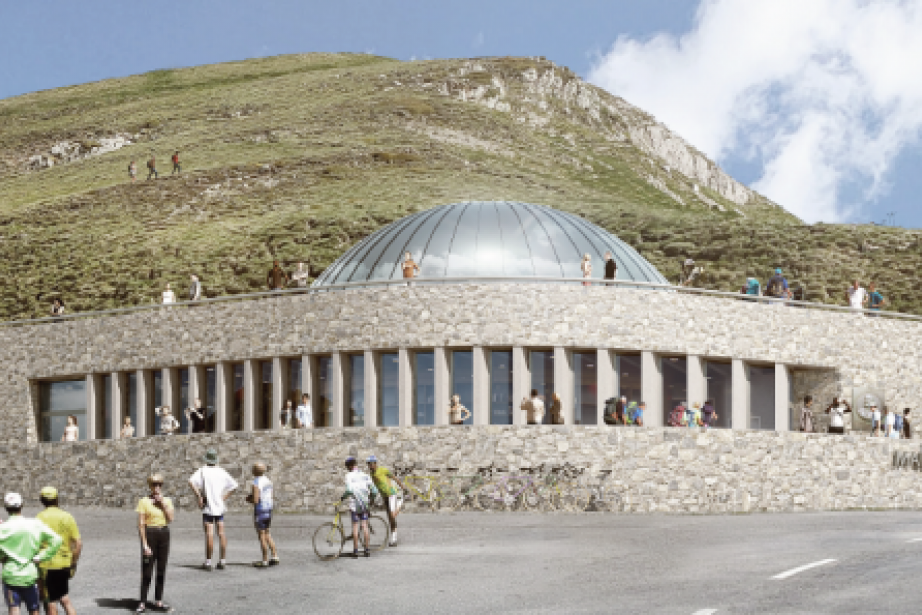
822, 93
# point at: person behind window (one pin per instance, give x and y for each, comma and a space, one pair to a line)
71, 432
556, 410
806, 415
127, 428
457, 413
287, 415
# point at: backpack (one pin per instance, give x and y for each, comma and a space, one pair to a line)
610, 411
775, 287
150, 163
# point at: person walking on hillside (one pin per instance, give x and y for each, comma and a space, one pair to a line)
300, 275
611, 267
155, 513
133, 170
152, 168
777, 286
23, 544
195, 288
457, 413
806, 415
57, 572
410, 268
857, 296
876, 300
212, 486
586, 268
176, 167
168, 295
276, 279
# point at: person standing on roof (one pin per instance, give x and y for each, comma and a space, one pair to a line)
777, 286
276, 279
753, 288
299, 277
611, 267
875, 300
195, 288
857, 296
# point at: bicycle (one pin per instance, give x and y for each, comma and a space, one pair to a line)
330, 538
423, 488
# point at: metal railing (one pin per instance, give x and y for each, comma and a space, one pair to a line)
373, 284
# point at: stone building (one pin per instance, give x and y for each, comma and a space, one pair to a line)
497, 310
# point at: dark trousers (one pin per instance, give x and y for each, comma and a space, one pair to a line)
158, 539
152, 173
176, 168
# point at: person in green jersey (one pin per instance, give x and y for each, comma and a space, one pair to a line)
57, 572
384, 481
23, 543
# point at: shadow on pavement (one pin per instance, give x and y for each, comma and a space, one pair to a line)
120, 603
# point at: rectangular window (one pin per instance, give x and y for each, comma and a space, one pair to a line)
323, 392
585, 389
628, 367
761, 397
356, 391
184, 400
235, 420
424, 388
133, 400
208, 394
57, 401
675, 384
294, 382
542, 378
104, 415
389, 405
501, 387
720, 391
462, 380
153, 425
263, 415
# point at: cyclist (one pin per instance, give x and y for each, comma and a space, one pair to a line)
360, 490
384, 481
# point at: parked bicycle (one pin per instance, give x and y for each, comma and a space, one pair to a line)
330, 537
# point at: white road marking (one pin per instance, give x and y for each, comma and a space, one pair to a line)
705, 612
793, 571
915, 540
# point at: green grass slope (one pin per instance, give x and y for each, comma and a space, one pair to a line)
298, 157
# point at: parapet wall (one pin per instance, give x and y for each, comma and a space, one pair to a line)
667, 470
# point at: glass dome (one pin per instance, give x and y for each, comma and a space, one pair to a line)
488, 239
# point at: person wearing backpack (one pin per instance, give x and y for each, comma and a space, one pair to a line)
152, 168
777, 286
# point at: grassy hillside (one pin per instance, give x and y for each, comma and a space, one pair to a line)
297, 157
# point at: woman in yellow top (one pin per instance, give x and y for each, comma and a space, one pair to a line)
155, 513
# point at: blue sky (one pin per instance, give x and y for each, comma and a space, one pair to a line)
618, 44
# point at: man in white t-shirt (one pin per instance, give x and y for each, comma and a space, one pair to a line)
303, 413
212, 486
534, 409
857, 296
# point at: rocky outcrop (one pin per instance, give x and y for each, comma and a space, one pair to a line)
64, 152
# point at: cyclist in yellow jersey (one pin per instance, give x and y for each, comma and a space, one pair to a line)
384, 481
57, 572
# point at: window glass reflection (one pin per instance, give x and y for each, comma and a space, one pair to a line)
389, 406
424, 389
235, 420
462, 382
153, 423
501, 387
463, 250
322, 406
104, 416
761, 397
585, 381
133, 400
628, 367
675, 385
356, 391
435, 260
720, 391
57, 401
542, 378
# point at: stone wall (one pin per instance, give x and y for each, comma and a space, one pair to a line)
497, 315
634, 469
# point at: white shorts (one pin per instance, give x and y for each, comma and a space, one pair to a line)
394, 503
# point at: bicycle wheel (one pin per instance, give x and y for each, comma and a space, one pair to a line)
378, 531
488, 498
328, 541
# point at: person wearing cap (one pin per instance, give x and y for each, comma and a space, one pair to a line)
260, 497
155, 513
360, 491
23, 544
57, 572
384, 482
212, 486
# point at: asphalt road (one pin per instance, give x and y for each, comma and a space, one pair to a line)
534, 563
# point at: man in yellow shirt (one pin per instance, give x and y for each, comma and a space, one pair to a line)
384, 482
57, 572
